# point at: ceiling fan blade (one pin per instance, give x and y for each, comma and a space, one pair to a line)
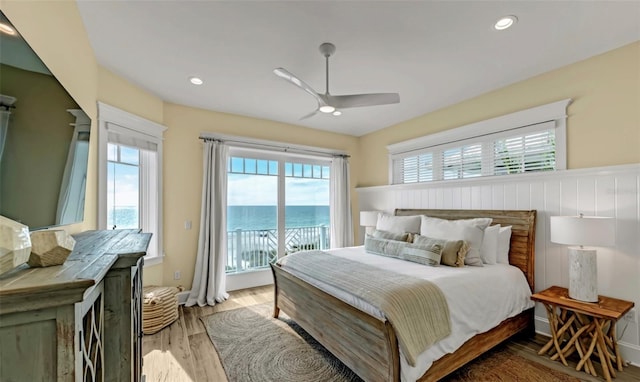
310, 114
361, 100
283, 73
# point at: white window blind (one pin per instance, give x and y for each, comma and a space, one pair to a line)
531, 140
413, 169
462, 162
525, 153
131, 138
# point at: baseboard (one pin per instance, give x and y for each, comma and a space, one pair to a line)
630, 352
246, 280
239, 281
182, 297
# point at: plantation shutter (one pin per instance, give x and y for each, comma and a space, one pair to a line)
525, 152
462, 162
413, 169
522, 149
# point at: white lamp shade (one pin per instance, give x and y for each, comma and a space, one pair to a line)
583, 230
368, 218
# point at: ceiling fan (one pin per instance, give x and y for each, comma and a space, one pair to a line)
332, 104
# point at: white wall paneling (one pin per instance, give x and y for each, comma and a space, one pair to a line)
608, 191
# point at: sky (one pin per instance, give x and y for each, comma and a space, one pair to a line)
243, 190
261, 190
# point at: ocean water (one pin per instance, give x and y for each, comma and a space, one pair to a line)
123, 217
246, 218
265, 217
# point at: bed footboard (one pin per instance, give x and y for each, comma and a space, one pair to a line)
367, 345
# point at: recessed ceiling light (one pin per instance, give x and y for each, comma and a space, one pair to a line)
196, 80
327, 109
505, 22
337, 113
4, 28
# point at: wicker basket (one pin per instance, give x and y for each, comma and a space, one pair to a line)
159, 308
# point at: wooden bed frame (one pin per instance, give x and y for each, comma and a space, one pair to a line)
368, 345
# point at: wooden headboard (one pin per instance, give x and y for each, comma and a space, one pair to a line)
523, 232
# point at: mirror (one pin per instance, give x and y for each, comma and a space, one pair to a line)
44, 140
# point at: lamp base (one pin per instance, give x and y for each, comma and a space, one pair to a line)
583, 274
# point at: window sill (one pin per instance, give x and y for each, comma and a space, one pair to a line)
151, 261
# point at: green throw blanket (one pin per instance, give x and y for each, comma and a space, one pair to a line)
416, 308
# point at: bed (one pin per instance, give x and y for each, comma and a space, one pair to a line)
368, 344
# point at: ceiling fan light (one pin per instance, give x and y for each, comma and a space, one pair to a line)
196, 80
327, 109
505, 22
337, 113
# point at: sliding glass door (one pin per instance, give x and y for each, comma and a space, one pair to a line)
276, 204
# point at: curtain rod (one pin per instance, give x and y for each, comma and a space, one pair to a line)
274, 146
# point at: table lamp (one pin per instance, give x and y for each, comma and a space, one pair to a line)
369, 219
579, 231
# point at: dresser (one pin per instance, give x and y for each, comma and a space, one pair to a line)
79, 321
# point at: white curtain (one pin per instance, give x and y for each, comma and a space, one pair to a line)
209, 279
340, 204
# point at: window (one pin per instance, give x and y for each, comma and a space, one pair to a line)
532, 140
462, 162
525, 153
130, 168
276, 203
123, 186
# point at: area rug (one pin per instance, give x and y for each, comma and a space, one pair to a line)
254, 347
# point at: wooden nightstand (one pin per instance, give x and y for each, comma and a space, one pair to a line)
583, 327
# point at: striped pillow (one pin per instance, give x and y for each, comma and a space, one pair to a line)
384, 247
427, 252
453, 251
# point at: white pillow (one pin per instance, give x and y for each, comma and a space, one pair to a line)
489, 249
469, 230
398, 224
504, 242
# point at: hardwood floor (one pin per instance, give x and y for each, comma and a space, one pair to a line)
182, 352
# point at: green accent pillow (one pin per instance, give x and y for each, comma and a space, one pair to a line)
427, 252
453, 251
384, 247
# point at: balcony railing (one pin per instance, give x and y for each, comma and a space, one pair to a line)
256, 249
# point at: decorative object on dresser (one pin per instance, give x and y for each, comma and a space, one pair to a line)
15, 244
583, 230
79, 321
585, 328
368, 219
50, 247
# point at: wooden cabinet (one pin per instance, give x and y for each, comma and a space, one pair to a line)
79, 321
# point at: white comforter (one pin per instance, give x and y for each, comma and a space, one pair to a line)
479, 298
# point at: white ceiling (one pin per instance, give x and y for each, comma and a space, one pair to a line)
434, 54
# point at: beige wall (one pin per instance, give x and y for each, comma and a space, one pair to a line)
116, 91
183, 172
603, 127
